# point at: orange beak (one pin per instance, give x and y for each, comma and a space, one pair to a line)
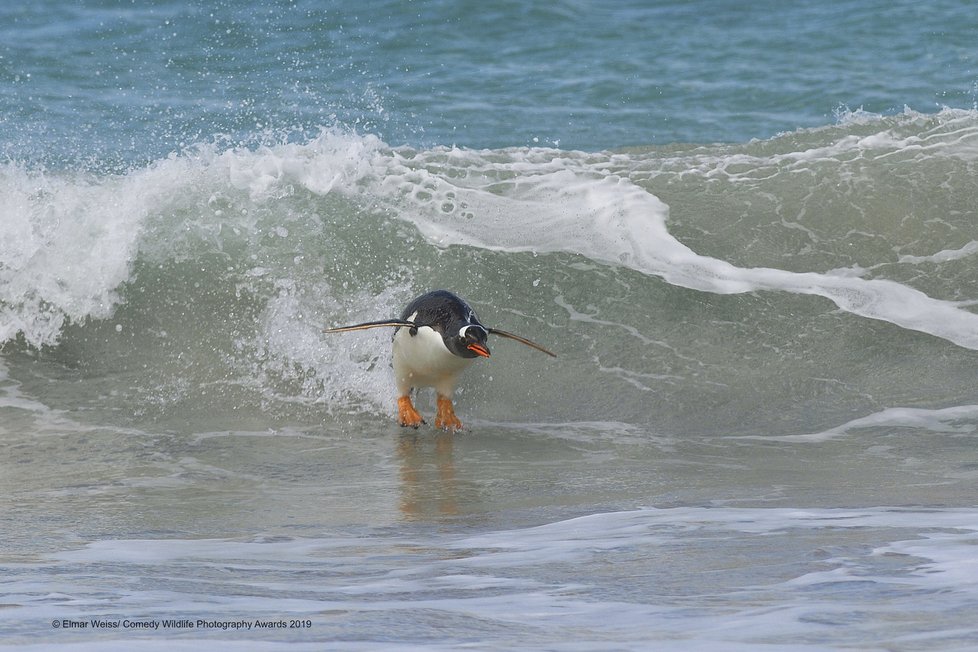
478, 349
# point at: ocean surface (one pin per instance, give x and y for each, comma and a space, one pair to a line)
749, 230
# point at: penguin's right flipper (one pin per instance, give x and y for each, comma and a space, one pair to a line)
397, 323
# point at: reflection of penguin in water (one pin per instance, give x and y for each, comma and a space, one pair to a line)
437, 336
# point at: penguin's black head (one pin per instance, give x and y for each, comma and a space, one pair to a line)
469, 341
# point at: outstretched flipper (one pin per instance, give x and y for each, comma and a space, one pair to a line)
398, 323
522, 340
371, 324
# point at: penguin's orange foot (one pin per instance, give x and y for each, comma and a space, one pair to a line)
407, 416
446, 419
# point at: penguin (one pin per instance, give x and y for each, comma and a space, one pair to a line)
436, 338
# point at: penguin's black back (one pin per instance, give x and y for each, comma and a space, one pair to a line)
439, 309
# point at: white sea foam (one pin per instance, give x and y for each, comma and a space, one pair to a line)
957, 419
532, 202
944, 255
539, 201
800, 576
66, 247
610, 219
69, 241
349, 371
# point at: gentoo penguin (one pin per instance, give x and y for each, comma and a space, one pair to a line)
437, 336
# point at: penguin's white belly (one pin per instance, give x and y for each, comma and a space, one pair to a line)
423, 360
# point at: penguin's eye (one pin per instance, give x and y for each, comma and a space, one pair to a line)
472, 334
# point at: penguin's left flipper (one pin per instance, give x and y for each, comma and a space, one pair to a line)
522, 340
371, 324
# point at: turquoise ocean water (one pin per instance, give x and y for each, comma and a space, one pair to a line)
748, 230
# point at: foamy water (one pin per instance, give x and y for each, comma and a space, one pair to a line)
657, 575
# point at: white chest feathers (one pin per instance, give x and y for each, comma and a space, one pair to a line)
423, 360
